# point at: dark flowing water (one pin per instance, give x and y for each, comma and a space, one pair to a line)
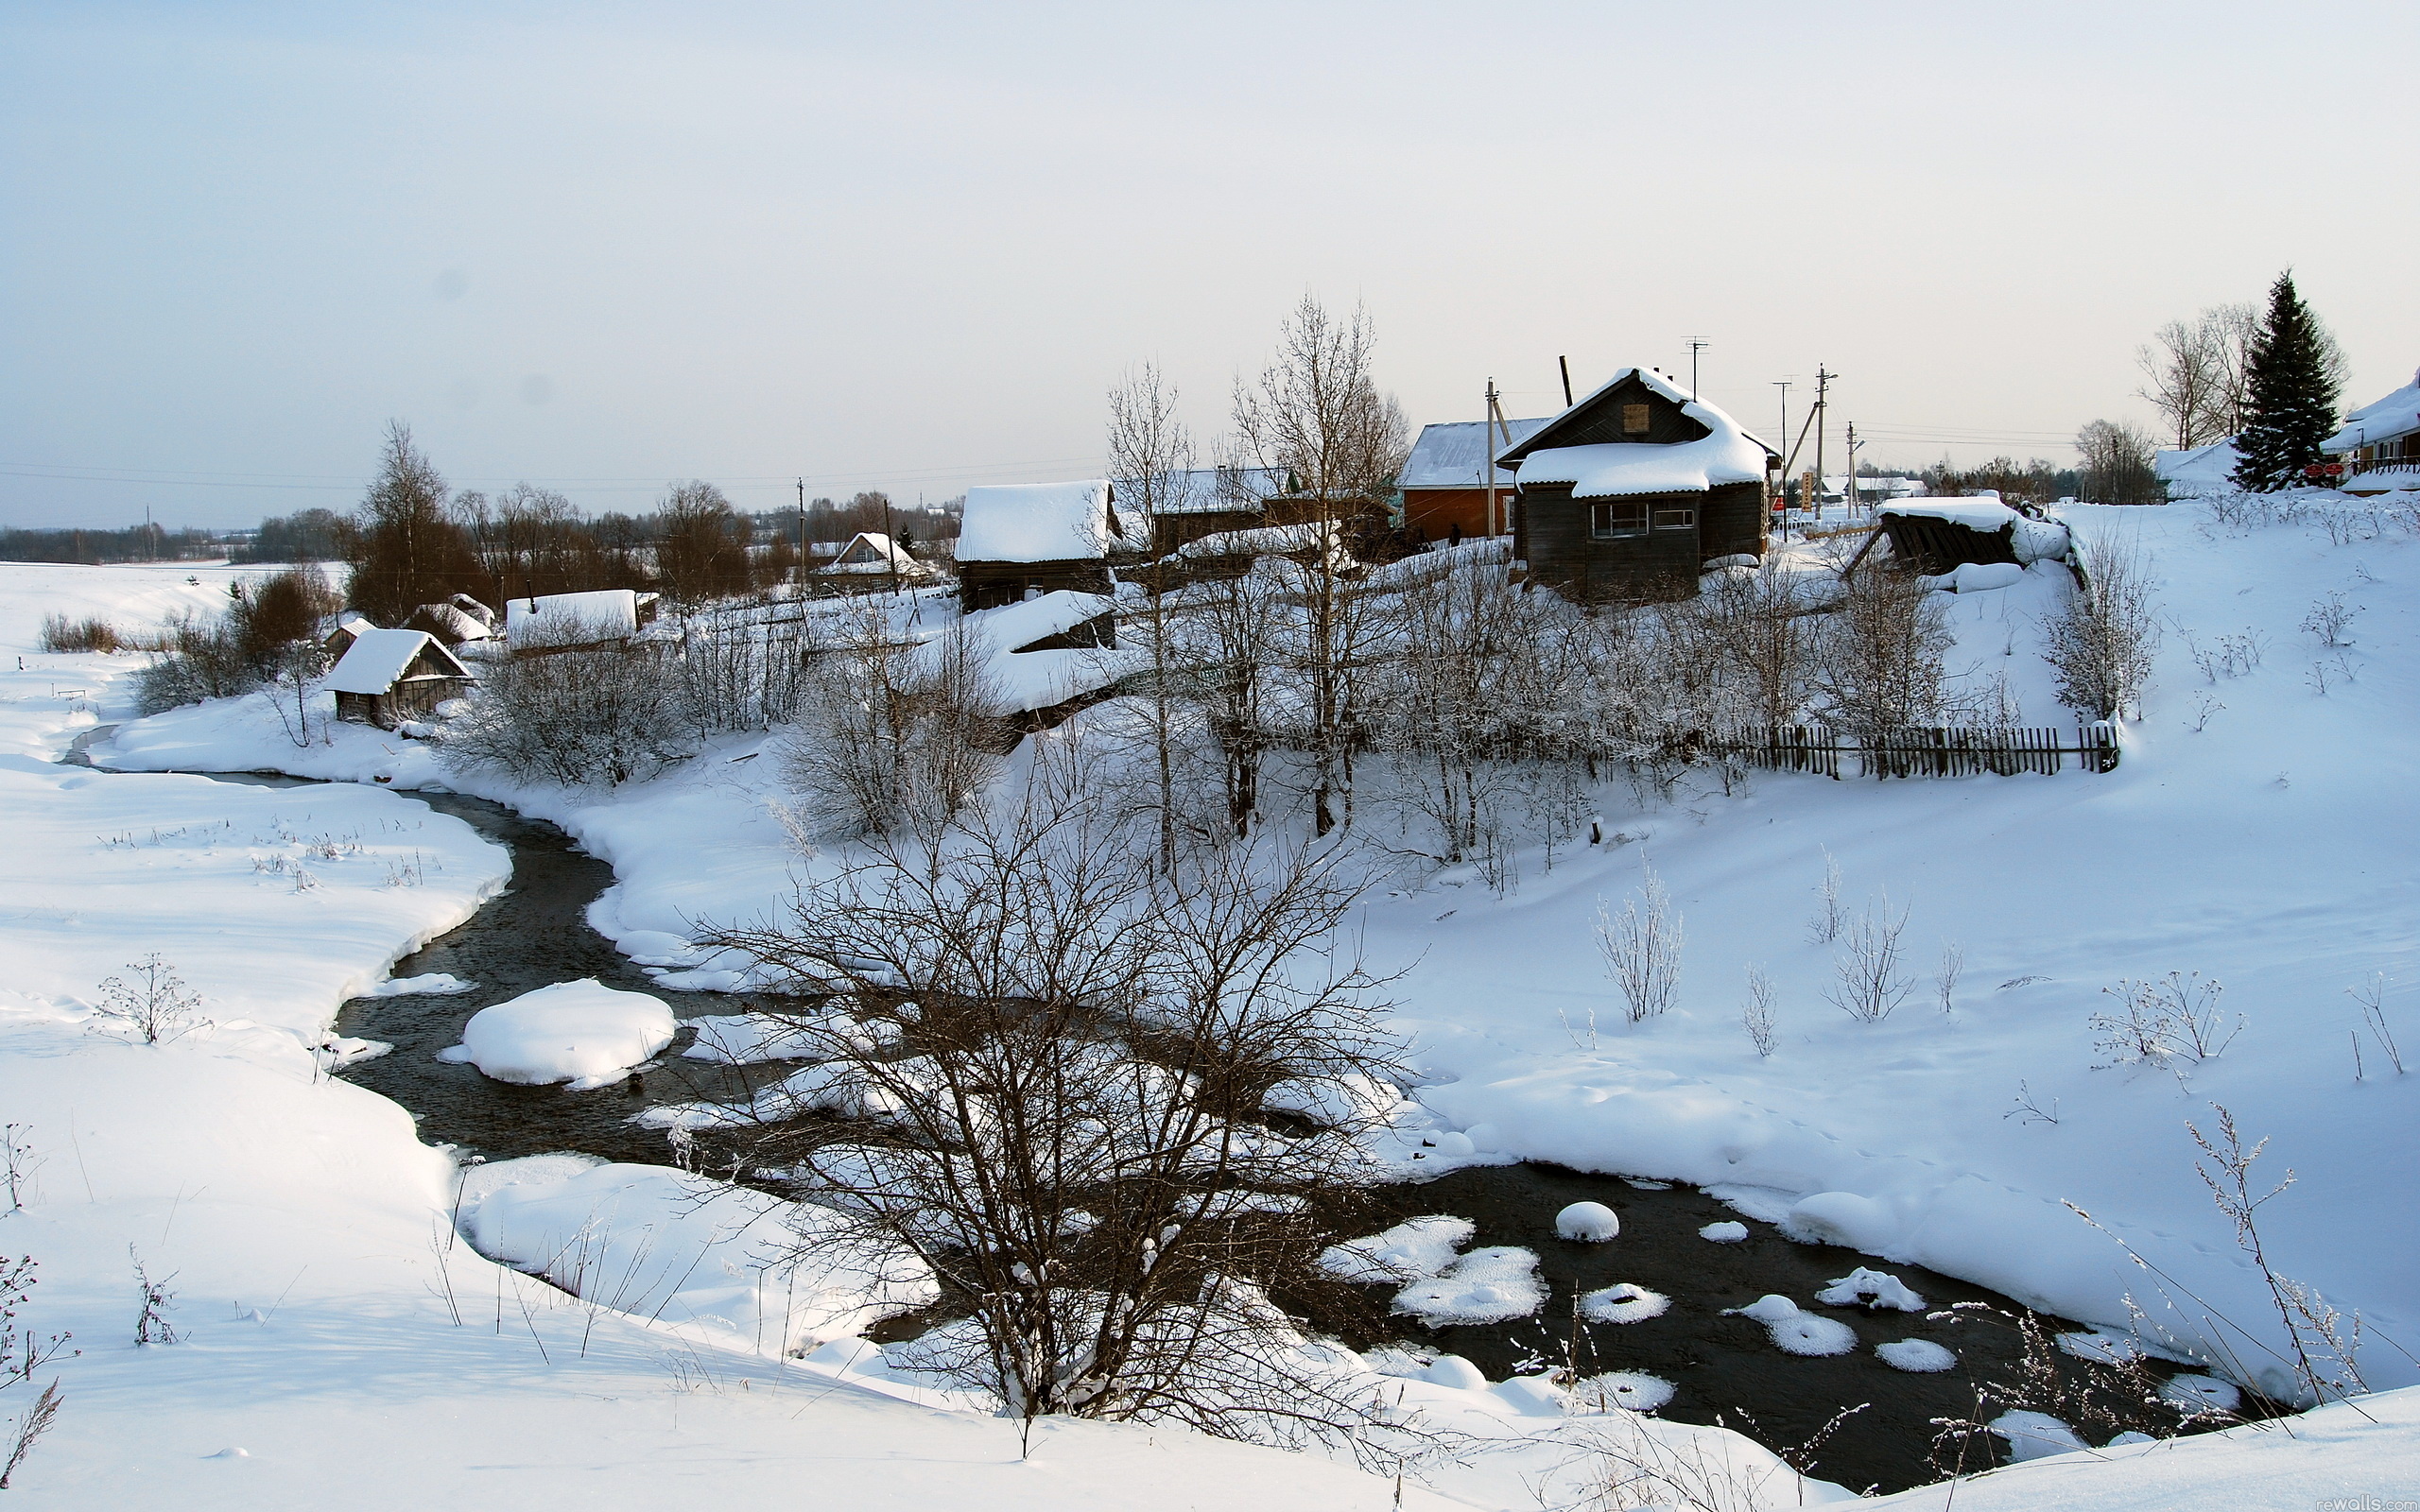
1725, 1369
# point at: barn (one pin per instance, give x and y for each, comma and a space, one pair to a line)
1208, 500
1029, 538
1445, 479
1629, 493
387, 677
571, 622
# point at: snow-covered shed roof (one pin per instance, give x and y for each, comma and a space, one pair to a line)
377, 660
1975, 514
1453, 454
1202, 490
1011, 625
1607, 469
2196, 468
561, 619
1039, 521
454, 623
2397, 414
871, 551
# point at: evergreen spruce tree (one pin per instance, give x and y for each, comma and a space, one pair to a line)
2289, 394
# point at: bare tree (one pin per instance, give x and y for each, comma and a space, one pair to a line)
894, 737
1880, 661
2118, 464
2184, 372
1315, 412
1150, 454
1079, 1042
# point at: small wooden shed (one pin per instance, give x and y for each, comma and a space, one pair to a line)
1184, 506
1030, 538
1631, 492
340, 640
575, 622
387, 677
1445, 479
450, 624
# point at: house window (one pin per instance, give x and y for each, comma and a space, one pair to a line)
1606, 521
1676, 519
1633, 419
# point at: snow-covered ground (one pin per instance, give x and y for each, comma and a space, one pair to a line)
2256, 832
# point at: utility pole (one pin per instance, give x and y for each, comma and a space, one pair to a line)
1487, 443
801, 536
1822, 402
1499, 438
1565, 363
1697, 344
1852, 490
1783, 384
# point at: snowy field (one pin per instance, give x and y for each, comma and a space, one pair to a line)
2256, 832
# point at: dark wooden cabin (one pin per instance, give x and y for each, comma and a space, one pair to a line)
1210, 501
1042, 538
1629, 493
388, 677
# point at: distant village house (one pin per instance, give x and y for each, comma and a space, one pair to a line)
387, 677
1632, 492
1445, 479
575, 622
2379, 443
1024, 539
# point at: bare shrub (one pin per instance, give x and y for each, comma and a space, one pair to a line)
1059, 1127
2100, 644
1879, 657
2370, 995
2329, 617
1944, 978
35, 1423
19, 1161
573, 717
153, 1005
895, 738
60, 634
1641, 947
2320, 1342
1831, 912
198, 659
151, 1324
1756, 1015
1869, 984
2163, 1018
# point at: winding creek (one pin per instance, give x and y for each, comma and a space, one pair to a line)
1724, 1368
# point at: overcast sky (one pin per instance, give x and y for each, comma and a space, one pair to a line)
909, 246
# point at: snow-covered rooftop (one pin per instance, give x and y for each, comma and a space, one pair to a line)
377, 659
561, 619
1975, 514
2198, 469
1726, 453
1202, 490
871, 551
1037, 619
2397, 414
1453, 454
1036, 521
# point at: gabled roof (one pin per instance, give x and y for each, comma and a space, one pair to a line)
871, 551
1039, 521
567, 619
2397, 414
1453, 454
1203, 490
1609, 470
377, 660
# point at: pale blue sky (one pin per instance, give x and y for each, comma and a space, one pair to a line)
607, 245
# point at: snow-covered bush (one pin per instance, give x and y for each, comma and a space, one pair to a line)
2100, 644
1641, 947
1868, 981
152, 1004
1878, 661
2161, 1018
573, 717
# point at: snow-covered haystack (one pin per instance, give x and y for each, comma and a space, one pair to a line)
1795, 1331
583, 1032
1590, 1223
1623, 1302
1922, 1356
1872, 1289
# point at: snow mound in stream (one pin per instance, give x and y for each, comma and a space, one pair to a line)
1587, 1222
583, 1032
1873, 1289
1624, 1302
1795, 1331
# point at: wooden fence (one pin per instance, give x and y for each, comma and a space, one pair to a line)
1933, 751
